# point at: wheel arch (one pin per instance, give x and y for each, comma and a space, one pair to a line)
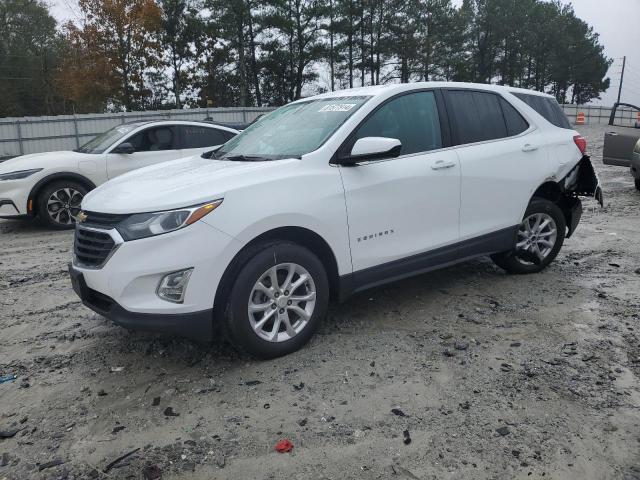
300, 235
32, 208
553, 192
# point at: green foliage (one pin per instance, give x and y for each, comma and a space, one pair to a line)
270, 52
30, 53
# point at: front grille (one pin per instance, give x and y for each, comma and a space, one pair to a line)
103, 220
92, 248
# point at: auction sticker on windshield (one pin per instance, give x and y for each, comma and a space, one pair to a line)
337, 107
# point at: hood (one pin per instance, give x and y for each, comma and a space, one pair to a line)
178, 183
42, 160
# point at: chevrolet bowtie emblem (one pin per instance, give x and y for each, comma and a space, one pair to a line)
81, 217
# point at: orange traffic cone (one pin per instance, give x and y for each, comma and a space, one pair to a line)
580, 118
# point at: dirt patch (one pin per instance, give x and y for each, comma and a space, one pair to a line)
488, 375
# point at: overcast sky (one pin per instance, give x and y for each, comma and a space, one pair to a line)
617, 22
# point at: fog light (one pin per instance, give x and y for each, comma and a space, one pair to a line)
173, 286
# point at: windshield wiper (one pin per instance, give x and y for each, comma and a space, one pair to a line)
245, 158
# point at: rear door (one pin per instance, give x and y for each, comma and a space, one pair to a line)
152, 145
201, 138
502, 161
618, 147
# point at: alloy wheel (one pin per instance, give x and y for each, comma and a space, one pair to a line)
64, 205
537, 236
281, 302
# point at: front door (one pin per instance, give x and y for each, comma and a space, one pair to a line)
152, 145
401, 208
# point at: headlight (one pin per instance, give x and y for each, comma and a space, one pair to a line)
19, 174
636, 149
143, 225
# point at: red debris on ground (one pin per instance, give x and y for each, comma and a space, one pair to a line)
284, 446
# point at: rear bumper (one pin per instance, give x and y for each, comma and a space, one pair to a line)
573, 215
194, 325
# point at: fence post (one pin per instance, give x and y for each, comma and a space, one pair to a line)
244, 116
75, 130
20, 137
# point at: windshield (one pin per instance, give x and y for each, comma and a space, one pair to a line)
103, 141
292, 130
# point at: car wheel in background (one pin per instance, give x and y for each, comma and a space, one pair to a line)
637, 182
59, 203
277, 300
539, 239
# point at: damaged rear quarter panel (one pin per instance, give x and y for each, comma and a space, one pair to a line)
582, 181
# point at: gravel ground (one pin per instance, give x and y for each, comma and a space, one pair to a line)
489, 375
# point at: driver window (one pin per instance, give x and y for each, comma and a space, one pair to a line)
154, 139
412, 119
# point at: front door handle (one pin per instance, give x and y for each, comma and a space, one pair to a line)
441, 165
529, 148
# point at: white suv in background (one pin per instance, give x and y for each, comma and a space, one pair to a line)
51, 185
328, 196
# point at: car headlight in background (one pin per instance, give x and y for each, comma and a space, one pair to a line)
141, 225
636, 149
19, 175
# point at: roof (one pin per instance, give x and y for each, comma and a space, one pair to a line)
376, 90
165, 121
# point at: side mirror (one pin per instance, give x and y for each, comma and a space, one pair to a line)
373, 148
125, 148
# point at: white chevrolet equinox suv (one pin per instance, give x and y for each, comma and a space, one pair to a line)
328, 196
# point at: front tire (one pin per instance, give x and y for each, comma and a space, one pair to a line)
277, 300
59, 204
539, 239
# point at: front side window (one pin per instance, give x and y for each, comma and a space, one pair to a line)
413, 119
477, 116
198, 137
293, 130
103, 141
154, 139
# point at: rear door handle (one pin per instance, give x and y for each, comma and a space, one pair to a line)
529, 148
441, 165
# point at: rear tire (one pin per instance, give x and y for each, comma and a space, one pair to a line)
538, 245
59, 203
266, 320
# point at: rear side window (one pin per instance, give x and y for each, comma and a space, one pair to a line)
477, 116
413, 119
547, 107
198, 137
515, 123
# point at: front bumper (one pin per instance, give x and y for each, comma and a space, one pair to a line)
195, 325
8, 209
635, 165
123, 289
13, 198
